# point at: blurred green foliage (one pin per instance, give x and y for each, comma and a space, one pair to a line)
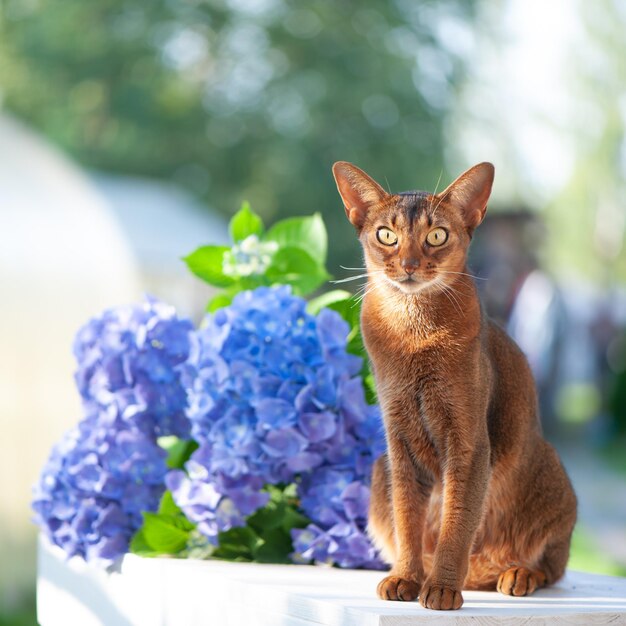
239, 99
22, 613
613, 453
586, 218
586, 557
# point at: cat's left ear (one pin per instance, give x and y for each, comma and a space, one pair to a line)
470, 193
358, 191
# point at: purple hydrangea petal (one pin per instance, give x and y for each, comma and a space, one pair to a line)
109, 469
284, 443
318, 426
274, 413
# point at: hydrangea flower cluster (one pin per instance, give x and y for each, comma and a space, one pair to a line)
338, 533
336, 499
109, 469
129, 363
249, 257
274, 397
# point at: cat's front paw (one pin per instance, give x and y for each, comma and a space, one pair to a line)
440, 597
397, 588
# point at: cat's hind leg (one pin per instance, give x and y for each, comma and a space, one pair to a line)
548, 505
520, 581
554, 559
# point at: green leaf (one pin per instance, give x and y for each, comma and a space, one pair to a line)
266, 538
280, 512
139, 546
275, 548
165, 533
206, 263
290, 492
273, 524
307, 233
326, 299
167, 506
370, 389
224, 298
219, 302
245, 223
237, 544
297, 268
294, 519
349, 308
272, 515
178, 450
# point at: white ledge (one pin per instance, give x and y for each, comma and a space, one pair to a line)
170, 592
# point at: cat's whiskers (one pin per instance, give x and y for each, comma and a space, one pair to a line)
350, 278
439, 203
451, 293
446, 291
361, 289
367, 274
432, 199
458, 295
367, 289
368, 286
460, 274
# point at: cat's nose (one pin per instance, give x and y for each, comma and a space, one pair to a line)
410, 265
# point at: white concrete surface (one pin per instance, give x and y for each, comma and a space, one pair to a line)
170, 592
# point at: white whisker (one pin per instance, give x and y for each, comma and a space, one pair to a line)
435, 192
367, 288
445, 289
461, 274
350, 278
439, 203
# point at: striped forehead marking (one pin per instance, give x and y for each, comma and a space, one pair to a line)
414, 205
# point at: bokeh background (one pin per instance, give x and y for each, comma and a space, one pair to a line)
131, 130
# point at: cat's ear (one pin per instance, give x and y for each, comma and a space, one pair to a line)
358, 191
470, 192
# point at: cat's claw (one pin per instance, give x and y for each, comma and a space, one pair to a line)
440, 597
519, 581
397, 588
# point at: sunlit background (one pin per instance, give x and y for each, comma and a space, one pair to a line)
130, 131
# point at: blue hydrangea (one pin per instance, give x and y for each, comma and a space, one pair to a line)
275, 396
94, 487
129, 362
336, 495
109, 469
336, 499
271, 395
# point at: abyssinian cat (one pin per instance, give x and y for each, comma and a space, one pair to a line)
469, 495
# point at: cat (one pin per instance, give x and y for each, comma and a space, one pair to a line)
468, 495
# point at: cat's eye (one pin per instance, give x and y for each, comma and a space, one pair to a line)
437, 236
386, 236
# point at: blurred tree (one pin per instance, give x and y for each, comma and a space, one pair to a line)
544, 98
588, 216
241, 99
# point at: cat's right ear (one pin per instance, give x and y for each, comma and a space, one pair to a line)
358, 191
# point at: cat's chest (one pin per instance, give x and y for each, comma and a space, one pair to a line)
405, 355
